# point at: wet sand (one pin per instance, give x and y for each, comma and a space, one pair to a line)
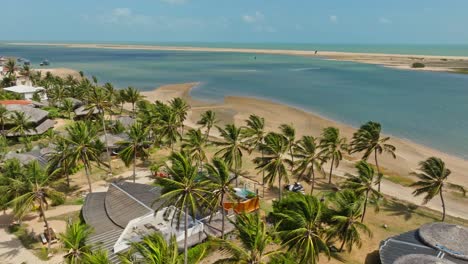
400, 61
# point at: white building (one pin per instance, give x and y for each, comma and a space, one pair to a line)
27, 91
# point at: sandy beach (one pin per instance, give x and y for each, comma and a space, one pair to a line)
237, 109
399, 61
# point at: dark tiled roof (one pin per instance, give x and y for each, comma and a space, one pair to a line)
121, 207
94, 214
408, 243
142, 192
105, 241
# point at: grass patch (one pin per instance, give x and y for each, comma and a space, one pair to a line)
74, 201
418, 65
27, 238
461, 70
402, 180
74, 216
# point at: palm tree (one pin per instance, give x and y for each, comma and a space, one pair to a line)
255, 134
276, 160
4, 117
232, 147
332, 145
300, 226
99, 99
347, 209
132, 96
82, 148
195, 144
309, 158
254, 238
185, 191
96, 257
369, 140
36, 192
10, 67
432, 179
290, 133
60, 160
220, 185
67, 106
180, 108
154, 249
135, 146
207, 120
21, 125
168, 127
74, 240
363, 184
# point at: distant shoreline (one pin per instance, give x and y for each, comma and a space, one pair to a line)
455, 64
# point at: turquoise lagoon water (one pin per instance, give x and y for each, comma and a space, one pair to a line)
426, 107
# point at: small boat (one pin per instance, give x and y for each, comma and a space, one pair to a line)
44, 63
20, 59
26, 62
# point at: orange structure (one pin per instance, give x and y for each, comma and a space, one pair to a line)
247, 201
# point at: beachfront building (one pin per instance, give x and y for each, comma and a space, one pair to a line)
125, 213
27, 92
38, 117
431, 243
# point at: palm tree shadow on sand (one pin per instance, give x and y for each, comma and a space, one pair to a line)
400, 209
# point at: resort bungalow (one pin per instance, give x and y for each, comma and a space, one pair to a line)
27, 92
38, 117
431, 243
82, 112
126, 213
113, 140
35, 154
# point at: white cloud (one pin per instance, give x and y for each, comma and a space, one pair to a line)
257, 17
176, 2
125, 16
384, 20
333, 19
258, 22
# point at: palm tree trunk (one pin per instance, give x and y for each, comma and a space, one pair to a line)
222, 216
379, 177
280, 188
292, 159
186, 235
107, 142
263, 177
312, 184
89, 180
133, 109
331, 169
342, 245
134, 164
48, 237
365, 206
207, 134
443, 204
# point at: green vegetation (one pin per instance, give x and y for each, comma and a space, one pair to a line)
418, 65
202, 173
21, 232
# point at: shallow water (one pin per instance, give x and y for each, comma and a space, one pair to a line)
426, 107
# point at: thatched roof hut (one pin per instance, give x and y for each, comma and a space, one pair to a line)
421, 259
449, 238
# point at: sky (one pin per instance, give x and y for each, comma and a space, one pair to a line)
244, 21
